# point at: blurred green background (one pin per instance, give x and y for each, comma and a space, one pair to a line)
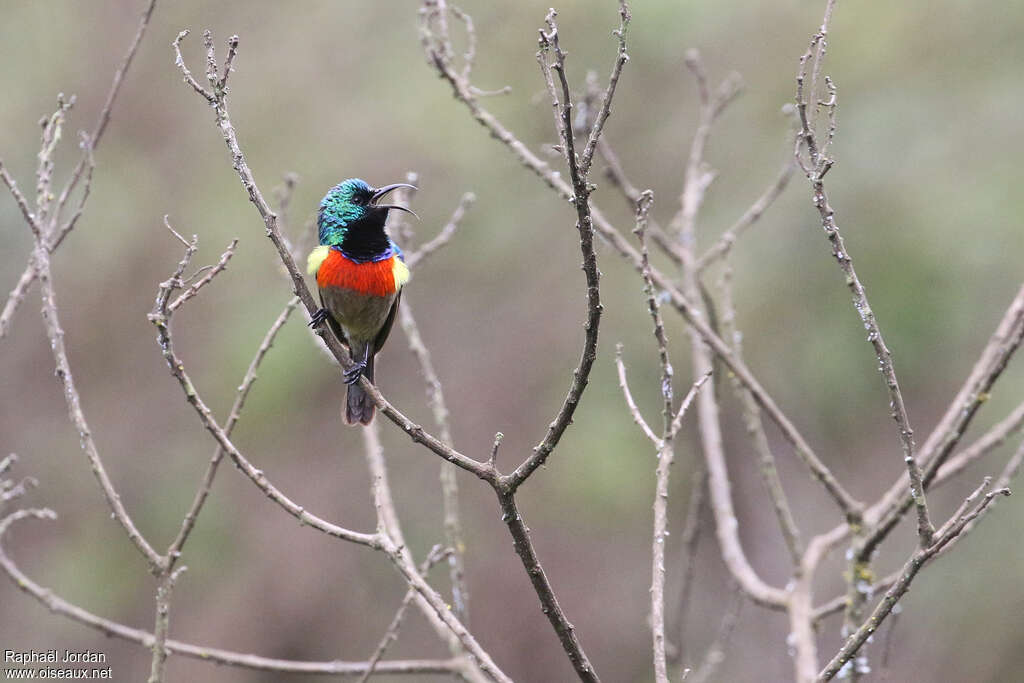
926, 188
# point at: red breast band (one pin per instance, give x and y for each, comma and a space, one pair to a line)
375, 278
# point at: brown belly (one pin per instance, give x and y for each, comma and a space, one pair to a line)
360, 315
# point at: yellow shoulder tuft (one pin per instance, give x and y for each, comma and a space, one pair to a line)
316, 258
401, 273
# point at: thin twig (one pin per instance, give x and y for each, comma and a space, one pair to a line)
161, 318
664, 445
449, 484
606, 99
51, 134
887, 511
523, 547
634, 411
57, 605
57, 235
445, 235
697, 175
671, 419
215, 270
299, 287
1002, 345
584, 224
665, 459
174, 550
755, 430
925, 529
944, 537
160, 630
85, 165
689, 541
849, 506
55, 333
393, 544
400, 227
697, 178
715, 654
723, 245
819, 166
985, 444
436, 554
9, 489
19, 198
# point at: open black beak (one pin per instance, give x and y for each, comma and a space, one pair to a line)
380, 192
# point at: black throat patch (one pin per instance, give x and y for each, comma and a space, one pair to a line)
365, 240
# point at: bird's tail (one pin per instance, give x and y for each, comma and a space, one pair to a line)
359, 407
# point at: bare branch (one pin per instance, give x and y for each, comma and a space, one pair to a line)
57, 235
19, 198
449, 484
445, 235
666, 451
985, 444
53, 128
55, 333
689, 541
883, 516
436, 554
643, 206
16, 296
299, 288
161, 318
179, 61
755, 430
1004, 342
492, 461
606, 100
194, 288
174, 550
581, 190
160, 630
431, 604
838, 603
542, 586
948, 534
665, 458
697, 178
819, 167
634, 411
229, 62
698, 175
57, 605
715, 654
723, 245
30, 273
849, 506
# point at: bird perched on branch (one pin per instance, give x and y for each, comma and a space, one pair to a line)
360, 273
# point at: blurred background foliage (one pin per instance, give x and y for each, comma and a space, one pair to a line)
926, 187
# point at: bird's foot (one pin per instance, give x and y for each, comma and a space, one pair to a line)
353, 374
318, 317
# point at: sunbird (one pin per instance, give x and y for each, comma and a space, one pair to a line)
360, 273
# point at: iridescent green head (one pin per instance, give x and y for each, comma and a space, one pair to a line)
352, 207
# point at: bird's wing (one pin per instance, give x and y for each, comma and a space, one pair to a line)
385, 329
332, 323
